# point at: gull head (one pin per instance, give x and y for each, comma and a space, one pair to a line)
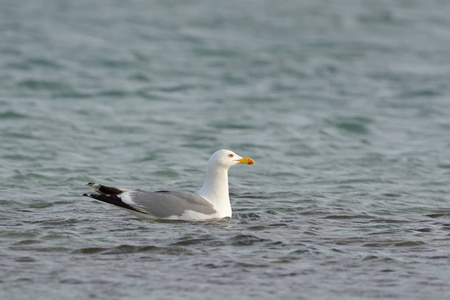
226, 159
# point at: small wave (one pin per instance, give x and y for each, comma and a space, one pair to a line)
129, 249
245, 240
12, 115
43, 85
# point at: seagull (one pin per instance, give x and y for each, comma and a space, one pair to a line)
212, 201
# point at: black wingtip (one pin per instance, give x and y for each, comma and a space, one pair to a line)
111, 199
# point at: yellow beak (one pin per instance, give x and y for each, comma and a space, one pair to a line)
247, 160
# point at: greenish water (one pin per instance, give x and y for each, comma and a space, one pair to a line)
344, 105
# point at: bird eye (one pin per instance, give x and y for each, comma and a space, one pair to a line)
230, 155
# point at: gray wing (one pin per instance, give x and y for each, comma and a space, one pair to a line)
164, 204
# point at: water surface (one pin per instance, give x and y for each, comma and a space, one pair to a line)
344, 107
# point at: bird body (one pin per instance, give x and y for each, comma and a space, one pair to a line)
210, 202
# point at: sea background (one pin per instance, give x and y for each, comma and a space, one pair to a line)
344, 105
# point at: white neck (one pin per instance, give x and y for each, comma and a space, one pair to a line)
215, 189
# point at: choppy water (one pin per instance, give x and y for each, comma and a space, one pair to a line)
344, 105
